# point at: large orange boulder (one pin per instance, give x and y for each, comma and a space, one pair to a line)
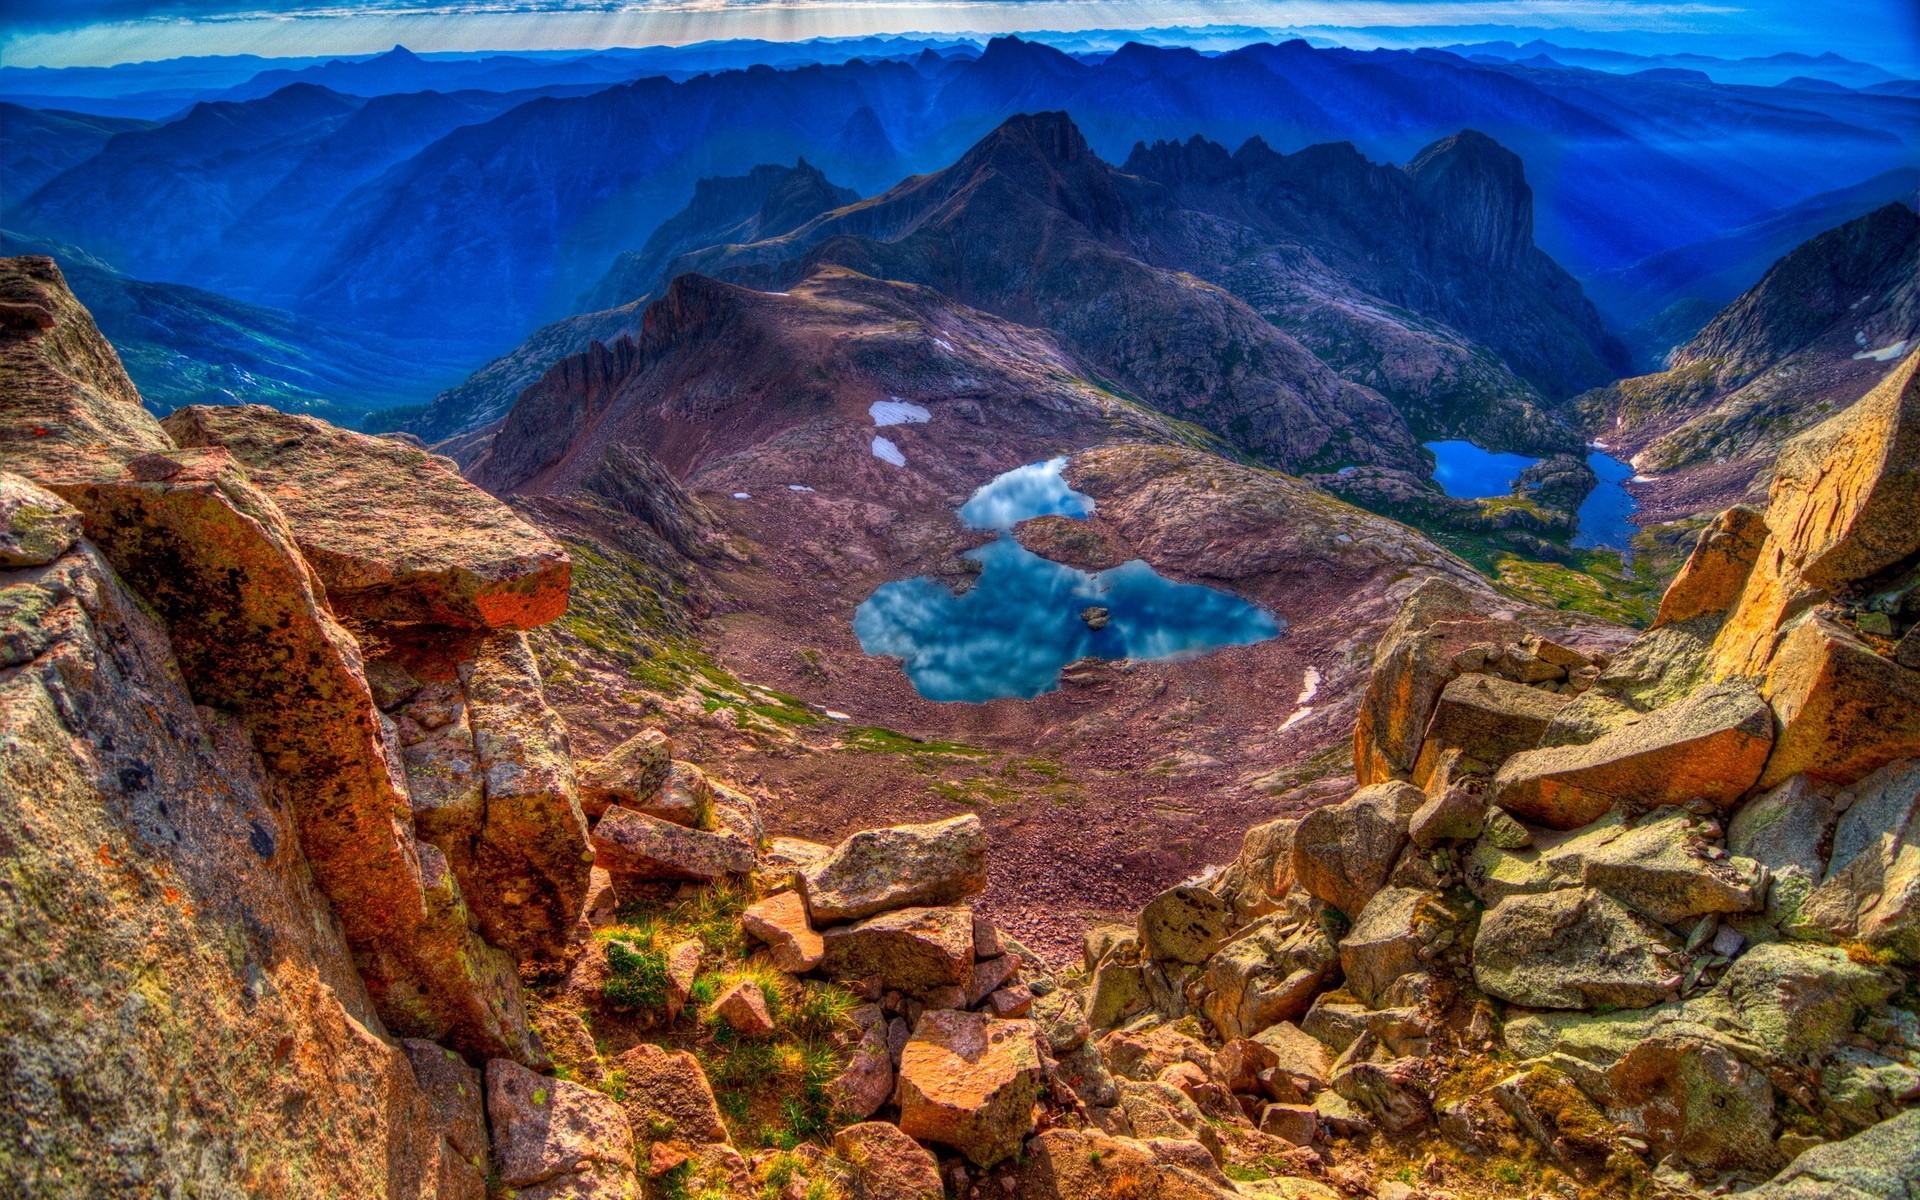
1843, 709
215, 559
396, 534
941, 862
1715, 574
970, 1082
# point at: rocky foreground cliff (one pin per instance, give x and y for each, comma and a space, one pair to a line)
308, 894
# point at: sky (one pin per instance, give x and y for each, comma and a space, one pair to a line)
101, 32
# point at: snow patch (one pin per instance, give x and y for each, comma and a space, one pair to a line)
1309, 686
897, 412
742, 496
838, 716
1885, 353
1299, 715
944, 344
886, 451
798, 487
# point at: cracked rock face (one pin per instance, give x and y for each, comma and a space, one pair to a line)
969, 1081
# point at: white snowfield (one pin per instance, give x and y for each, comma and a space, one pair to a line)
886, 451
897, 412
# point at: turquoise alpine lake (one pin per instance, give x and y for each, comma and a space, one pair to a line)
1464, 470
1604, 521
1022, 620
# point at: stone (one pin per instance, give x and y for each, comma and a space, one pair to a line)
1014, 1000
1394, 1094
1118, 993
989, 974
887, 1164
1143, 1055
970, 1082
877, 870
1573, 948
1298, 1054
867, 1081
1709, 746
668, 1096
1072, 1164
1660, 868
1297, 1123
1456, 815
744, 1008
1715, 574
1342, 854
1159, 1110
780, 922
1547, 1105
987, 942
1799, 1000
173, 973
211, 555
1871, 890
685, 797
628, 775
1843, 710
683, 967
1876, 1164
1184, 924
71, 414
1692, 1098
1262, 874
1786, 830
784, 859
396, 535
912, 950
1239, 1061
635, 848
1270, 972
1061, 1019
1385, 941
36, 526
1414, 662
1486, 719
459, 1101
553, 1138
524, 870
1503, 832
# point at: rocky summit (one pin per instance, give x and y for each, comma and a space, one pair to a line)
562, 811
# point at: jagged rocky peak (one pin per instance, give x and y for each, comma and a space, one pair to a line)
1479, 189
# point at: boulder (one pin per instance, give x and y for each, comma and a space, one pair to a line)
525, 868
877, 870
784, 859
459, 1101
634, 848
1415, 660
628, 775
780, 922
1118, 993
554, 1139
1715, 574
887, 1164
744, 1008
989, 973
1300, 1056
1879, 1163
1144, 1055
1786, 830
1455, 815
211, 555
71, 414
1661, 869
668, 1096
1484, 719
36, 526
1871, 890
912, 950
1262, 874
1573, 948
867, 1081
1843, 710
1692, 1098
970, 1082
1547, 1105
1270, 972
1342, 854
1800, 1001
1184, 924
1296, 1123
683, 967
397, 536
1072, 1164
685, 796
1659, 668
1159, 1110
1385, 941
1395, 1095
1709, 746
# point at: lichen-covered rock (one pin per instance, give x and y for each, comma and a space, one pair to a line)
1342, 854
744, 1008
1786, 830
1573, 948
1184, 924
1567, 1124
1142, 1056
880, 869
970, 1082
1456, 815
685, 797
1071, 1164
556, 1140
213, 557
780, 923
1801, 1001
634, 847
525, 869
887, 1164
1843, 709
1385, 941
182, 1012
1692, 1098
396, 534
1871, 891
668, 1096
1709, 746
459, 1101
1062, 1021
628, 775
913, 950
71, 413
1395, 1094
1483, 720
1880, 1163
1271, 972
36, 526
867, 1080
1261, 876
1715, 574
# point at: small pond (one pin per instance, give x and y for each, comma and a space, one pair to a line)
1022, 620
1604, 521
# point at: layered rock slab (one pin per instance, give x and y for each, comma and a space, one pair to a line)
214, 557
394, 532
558, 1140
880, 869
